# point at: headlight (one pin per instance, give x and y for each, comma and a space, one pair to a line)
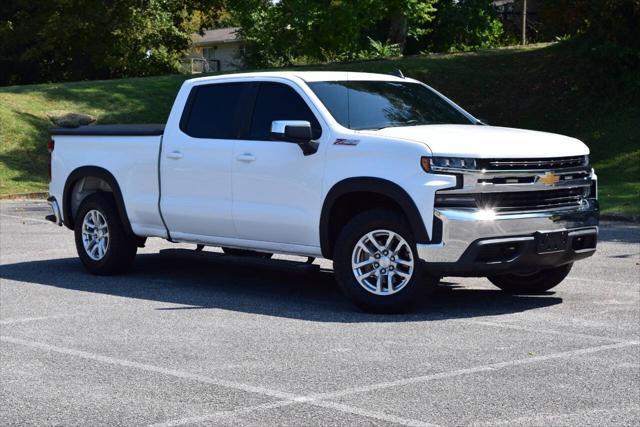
453, 163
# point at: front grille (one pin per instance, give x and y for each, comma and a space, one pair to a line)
532, 164
514, 201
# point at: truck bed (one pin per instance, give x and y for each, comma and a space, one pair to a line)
113, 130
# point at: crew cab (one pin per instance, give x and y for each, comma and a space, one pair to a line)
382, 174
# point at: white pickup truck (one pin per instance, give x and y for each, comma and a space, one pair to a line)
382, 174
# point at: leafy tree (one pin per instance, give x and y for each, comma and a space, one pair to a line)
319, 30
408, 18
56, 40
615, 21
278, 33
462, 25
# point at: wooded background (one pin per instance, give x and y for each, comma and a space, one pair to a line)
63, 40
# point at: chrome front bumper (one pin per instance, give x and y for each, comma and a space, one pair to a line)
461, 228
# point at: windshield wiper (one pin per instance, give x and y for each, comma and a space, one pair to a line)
397, 125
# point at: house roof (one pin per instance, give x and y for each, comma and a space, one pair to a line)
220, 35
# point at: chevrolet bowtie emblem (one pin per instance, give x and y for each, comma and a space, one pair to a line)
548, 178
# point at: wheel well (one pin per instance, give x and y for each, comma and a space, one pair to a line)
88, 180
354, 195
349, 205
84, 187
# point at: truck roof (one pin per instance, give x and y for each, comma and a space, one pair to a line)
307, 76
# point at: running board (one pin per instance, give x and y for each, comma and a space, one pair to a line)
242, 260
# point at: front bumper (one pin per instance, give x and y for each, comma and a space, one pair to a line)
478, 243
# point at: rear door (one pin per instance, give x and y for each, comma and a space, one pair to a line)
276, 189
196, 198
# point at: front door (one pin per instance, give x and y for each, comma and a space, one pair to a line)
276, 189
195, 172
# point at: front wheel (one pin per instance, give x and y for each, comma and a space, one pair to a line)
101, 241
376, 263
533, 283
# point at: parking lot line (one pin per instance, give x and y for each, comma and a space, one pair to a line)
541, 331
33, 319
319, 399
286, 398
26, 218
473, 370
551, 419
150, 368
223, 414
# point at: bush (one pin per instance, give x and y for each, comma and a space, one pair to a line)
380, 50
465, 25
612, 21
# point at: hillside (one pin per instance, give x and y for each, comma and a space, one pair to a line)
551, 88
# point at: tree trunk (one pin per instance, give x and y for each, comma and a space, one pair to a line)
398, 30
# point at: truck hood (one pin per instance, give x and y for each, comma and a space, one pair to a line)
487, 141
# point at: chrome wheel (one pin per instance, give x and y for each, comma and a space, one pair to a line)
382, 262
95, 235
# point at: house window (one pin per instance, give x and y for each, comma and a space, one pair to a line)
209, 52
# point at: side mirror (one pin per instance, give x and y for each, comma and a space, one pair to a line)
295, 131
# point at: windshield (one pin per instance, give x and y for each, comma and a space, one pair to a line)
380, 104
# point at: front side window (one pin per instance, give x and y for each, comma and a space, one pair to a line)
277, 101
362, 105
214, 110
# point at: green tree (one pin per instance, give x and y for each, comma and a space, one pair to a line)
408, 18
462, 25
615, 21
282, 32
57, 40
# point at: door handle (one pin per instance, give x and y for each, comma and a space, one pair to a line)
175, 155
246, 157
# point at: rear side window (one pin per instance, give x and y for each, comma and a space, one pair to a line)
277, 101
214, 111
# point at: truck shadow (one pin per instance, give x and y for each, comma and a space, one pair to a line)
270, 288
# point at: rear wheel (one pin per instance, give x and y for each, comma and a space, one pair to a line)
376, 263
246, 252
101, 241
532, 283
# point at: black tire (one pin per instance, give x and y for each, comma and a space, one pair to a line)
531, 284
121, 248
417, 289
246, 252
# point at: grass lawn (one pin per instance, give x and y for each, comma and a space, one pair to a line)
544, 87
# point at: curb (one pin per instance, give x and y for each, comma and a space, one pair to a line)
620, 218
34, 195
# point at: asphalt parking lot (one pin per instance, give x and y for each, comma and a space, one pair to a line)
214, 340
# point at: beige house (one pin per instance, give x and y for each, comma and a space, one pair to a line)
216, 50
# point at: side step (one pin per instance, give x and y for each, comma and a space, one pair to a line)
218, 257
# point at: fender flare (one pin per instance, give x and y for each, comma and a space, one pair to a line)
372, 185
93, 172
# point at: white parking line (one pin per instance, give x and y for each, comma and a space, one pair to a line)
540, 331
319, 399
223, 414
552, 419
24, 218
150, 368
286, 398
473, 370
32, 319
